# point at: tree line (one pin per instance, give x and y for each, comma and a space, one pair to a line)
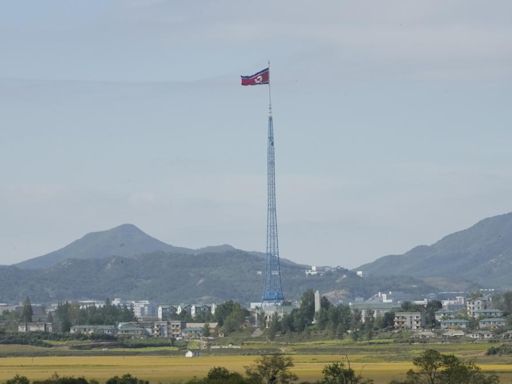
337, 321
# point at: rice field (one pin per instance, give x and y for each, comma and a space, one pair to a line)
379, 362
168, 369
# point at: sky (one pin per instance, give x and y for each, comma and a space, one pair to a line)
392, 122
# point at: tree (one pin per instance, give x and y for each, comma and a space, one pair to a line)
504, 302
220, 375
27, 312
337, 373
273, 327
273, 369
126, 379
407, 306
307, 306
18, 380
433, 367
230, 316
430, 312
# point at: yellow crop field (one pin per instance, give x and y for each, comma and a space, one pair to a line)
168, 369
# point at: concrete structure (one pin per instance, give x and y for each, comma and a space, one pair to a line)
263, 312
35, 327
317, 302
198, 309
175, 329
481, 335
445, 314
91, 303
94, 330
492, 323
143, 308
374, 309
166, 312
488, 313
478, 304
183, 308
409, 320
131, 329
197, 330
459, 302
454, 324
160, 329
453, 333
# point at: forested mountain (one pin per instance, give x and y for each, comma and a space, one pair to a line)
125, 262
212, 274
125, 240
480, 254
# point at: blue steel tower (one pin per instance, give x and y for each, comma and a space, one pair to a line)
273, 292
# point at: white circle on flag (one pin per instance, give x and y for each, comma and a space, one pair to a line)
258, 79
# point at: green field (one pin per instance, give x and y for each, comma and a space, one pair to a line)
382, 362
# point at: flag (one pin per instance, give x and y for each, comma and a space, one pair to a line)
262, 77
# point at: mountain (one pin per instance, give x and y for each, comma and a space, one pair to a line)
127, 263
182, 278
481, 254
125, 240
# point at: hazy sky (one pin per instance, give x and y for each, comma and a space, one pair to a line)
392, 118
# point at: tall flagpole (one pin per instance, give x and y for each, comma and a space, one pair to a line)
273, 292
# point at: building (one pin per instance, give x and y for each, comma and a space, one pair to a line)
454, 324
166, 312
445, 314
488, 313
175, 329
458, 303
131, 329
91, 303
197, 330
35, 327
94, 330
263, 312
492, 323
143, 309
478, 304
453, 333
184, 308
199, 309
160, 329
374, 309
481, 335
409, 320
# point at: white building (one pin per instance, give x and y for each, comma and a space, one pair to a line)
166, 312
478, 304
142, 308
35, 327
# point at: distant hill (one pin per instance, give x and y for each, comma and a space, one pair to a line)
125, 262
125, 240
182, 278
481, 254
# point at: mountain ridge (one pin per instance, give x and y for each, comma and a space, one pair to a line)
481, 253
125, 240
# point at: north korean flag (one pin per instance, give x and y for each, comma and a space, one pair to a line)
262, 77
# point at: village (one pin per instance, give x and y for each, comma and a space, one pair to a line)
471, 317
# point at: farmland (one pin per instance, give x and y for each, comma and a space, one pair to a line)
380, 362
